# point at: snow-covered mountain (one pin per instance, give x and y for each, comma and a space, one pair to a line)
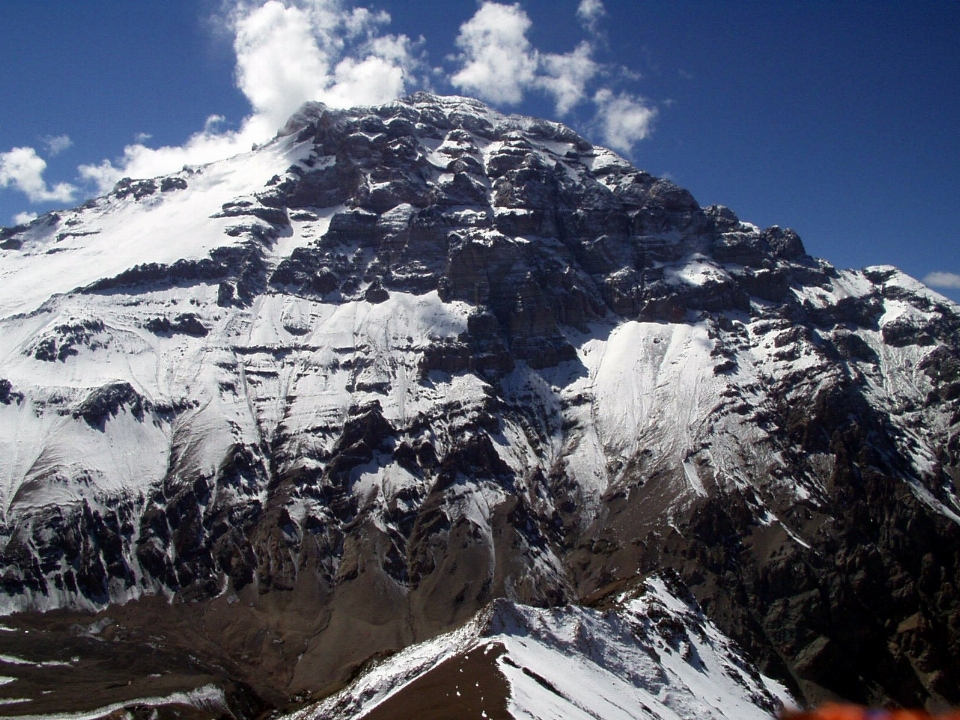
349, 388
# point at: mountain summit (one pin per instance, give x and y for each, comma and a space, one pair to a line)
300, 409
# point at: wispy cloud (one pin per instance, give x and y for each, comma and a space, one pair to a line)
566, 76
23, 169
591, 13
940, 279
105, 175
56, 144
318, 50
497, 61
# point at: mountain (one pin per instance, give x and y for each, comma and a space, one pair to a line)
298, 410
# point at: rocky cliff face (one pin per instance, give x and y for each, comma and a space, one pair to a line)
405, 360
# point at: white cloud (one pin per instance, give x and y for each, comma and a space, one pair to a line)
23, 169
141, 161
499, 64
57, 144
623, 119
279, 61
365, 82
288, 52
943, 280
590, 13
566, 76
104, 175
24, 218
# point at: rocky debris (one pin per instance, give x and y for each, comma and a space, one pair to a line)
513, 660
172, 183
7, 232
902, 332
155, 274
12, 238
139, 189
943, 367
267, 212
395, 210
309, 271
209, 539
92, 543
851, 346
242, 264
106, 401
7, 394
376, 293
364, 432
785, 243
65, 338
94, 665
482, 349
183, 324
226, 293
10, 243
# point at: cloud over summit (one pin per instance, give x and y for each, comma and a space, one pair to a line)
623, 119
287, 53
497, 61
499, 64
292, 51
320, 50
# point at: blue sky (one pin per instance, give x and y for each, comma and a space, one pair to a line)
839, 119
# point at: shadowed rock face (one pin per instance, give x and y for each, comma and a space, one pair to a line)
450, 356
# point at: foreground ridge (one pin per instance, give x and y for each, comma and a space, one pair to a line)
333, 397
650, 651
